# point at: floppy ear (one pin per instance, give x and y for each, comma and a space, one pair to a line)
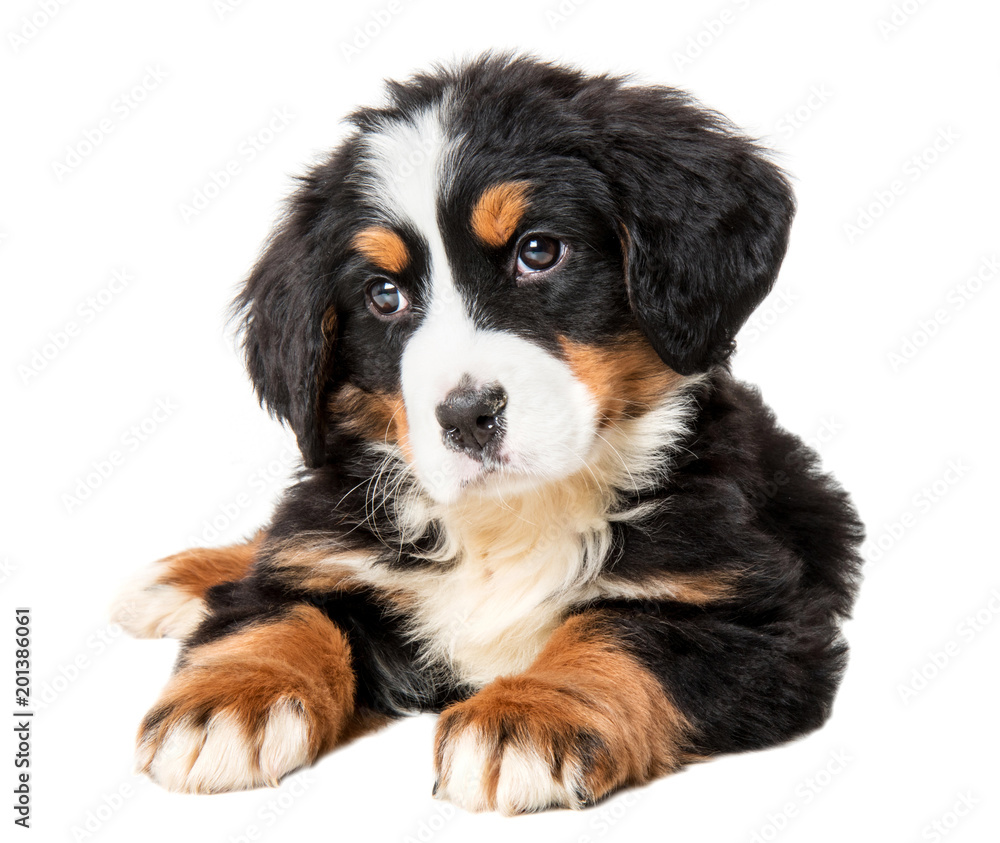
706, 219
288, 326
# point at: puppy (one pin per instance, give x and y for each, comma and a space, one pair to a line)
534, 499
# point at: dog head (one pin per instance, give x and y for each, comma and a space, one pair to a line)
504, 260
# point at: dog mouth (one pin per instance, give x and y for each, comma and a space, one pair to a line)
483, 472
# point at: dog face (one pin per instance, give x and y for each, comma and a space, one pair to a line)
504, 262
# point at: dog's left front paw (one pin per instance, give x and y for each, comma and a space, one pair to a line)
151, 605
521, 745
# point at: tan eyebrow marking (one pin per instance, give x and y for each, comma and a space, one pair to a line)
498, 212
383, 247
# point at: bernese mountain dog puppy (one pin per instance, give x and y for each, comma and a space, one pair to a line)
533, 497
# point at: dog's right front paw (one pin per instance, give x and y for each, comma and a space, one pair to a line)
234, 730
243, 710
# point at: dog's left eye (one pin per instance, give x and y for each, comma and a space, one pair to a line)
538, 252
385, 298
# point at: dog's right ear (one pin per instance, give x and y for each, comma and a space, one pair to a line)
288, 324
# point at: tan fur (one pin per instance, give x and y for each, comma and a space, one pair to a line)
697, 589
586, 708
383, 247
498, 212
626, 378
195, 571
312, 564
376, 416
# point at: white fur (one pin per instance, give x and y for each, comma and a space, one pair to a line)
221, 756
465, 759
525, 783
149, 608
285, 745
549, 423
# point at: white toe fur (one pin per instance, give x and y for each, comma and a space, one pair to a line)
465, 759
285, 746
149, 608
525, 783
227, 759
171, 761
222, 755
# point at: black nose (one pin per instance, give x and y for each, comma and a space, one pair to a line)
471, 418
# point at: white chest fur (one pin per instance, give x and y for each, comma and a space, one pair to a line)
519, 566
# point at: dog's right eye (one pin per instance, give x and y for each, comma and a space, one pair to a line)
385, 298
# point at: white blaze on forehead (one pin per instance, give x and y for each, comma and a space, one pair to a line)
549, 420
409, 165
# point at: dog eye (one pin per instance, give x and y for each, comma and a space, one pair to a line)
385, 298
538, 252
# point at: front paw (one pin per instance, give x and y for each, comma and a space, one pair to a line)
521, 745
224, 729
166, 599
152, 606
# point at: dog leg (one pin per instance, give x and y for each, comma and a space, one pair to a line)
167, 599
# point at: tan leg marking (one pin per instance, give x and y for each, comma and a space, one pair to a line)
166, 599
582, 721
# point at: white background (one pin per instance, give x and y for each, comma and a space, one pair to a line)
875, 344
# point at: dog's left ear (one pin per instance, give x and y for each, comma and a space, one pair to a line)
288, 326
705, 219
